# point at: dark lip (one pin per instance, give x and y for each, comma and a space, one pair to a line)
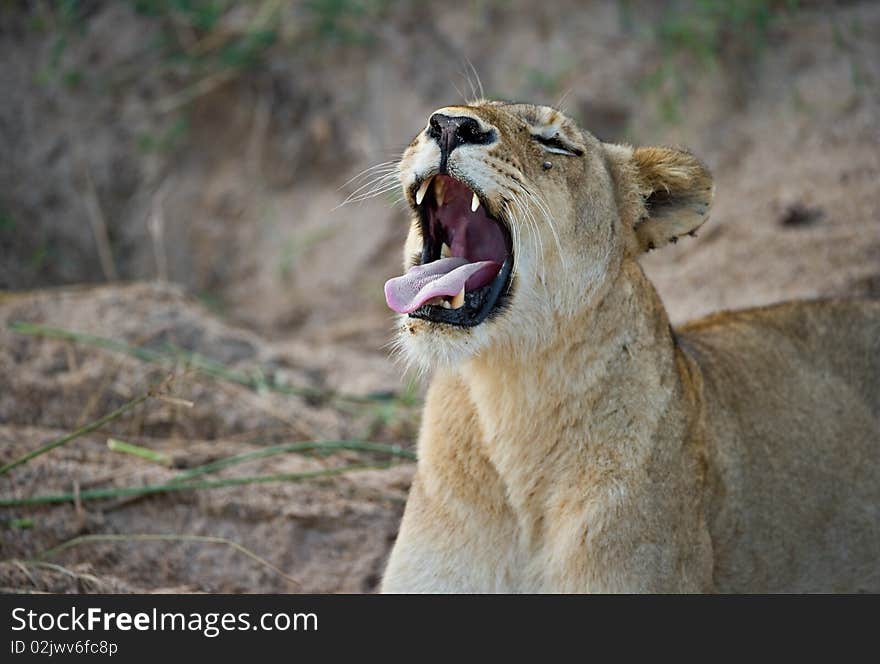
479, 304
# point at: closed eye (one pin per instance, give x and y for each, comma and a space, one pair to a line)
555, 145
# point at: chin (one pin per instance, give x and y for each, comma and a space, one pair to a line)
428, 345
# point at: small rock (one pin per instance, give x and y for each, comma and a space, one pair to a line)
798, 214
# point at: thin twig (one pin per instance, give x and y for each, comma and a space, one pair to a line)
156, 230
86, 539
176, 401
41, 564
99, 225
23, 567
116, 445
58, 442
98, 392
77, 502
196, 90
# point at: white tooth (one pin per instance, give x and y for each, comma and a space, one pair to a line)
445, 304
475, 203
420, 194
457, 302
439, 190
445, 251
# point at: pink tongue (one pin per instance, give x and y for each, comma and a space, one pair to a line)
443, 278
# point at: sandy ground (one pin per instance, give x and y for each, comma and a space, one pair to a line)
793, 140
330, 535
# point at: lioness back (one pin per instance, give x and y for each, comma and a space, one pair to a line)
792, 396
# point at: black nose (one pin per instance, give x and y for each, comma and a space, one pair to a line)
450, 132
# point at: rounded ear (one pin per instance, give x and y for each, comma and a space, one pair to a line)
677, 189
665, 193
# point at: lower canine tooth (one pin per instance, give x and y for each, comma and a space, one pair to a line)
458, 301
445, 251
423, 189
475, 203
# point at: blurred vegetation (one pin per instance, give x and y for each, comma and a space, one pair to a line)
703, 28
198, 45
701, 34
195, 46
199, 39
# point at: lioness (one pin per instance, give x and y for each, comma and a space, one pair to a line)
572, 440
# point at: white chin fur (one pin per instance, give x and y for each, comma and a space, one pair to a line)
428, 346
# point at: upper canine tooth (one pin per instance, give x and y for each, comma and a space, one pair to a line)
423, 189
475, 203
439, 189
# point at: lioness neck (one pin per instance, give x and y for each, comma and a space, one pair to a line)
585, 415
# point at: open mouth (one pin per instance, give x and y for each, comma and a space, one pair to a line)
466, 258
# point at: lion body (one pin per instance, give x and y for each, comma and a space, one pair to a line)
792, 402
601, 451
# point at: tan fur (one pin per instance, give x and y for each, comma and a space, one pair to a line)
575, 443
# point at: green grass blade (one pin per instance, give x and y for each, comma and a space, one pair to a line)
147, 489
312, 446
88, 428
117, 445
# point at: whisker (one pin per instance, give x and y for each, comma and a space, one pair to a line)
477, 76
536, 236
545, 211
471, 85
460, 93
376, 181
514, 231
378, 191
560, 104
385, 166
373, 193
521, 192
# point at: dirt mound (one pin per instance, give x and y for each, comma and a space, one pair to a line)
329, 533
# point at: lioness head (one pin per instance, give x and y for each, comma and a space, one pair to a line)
519, 217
